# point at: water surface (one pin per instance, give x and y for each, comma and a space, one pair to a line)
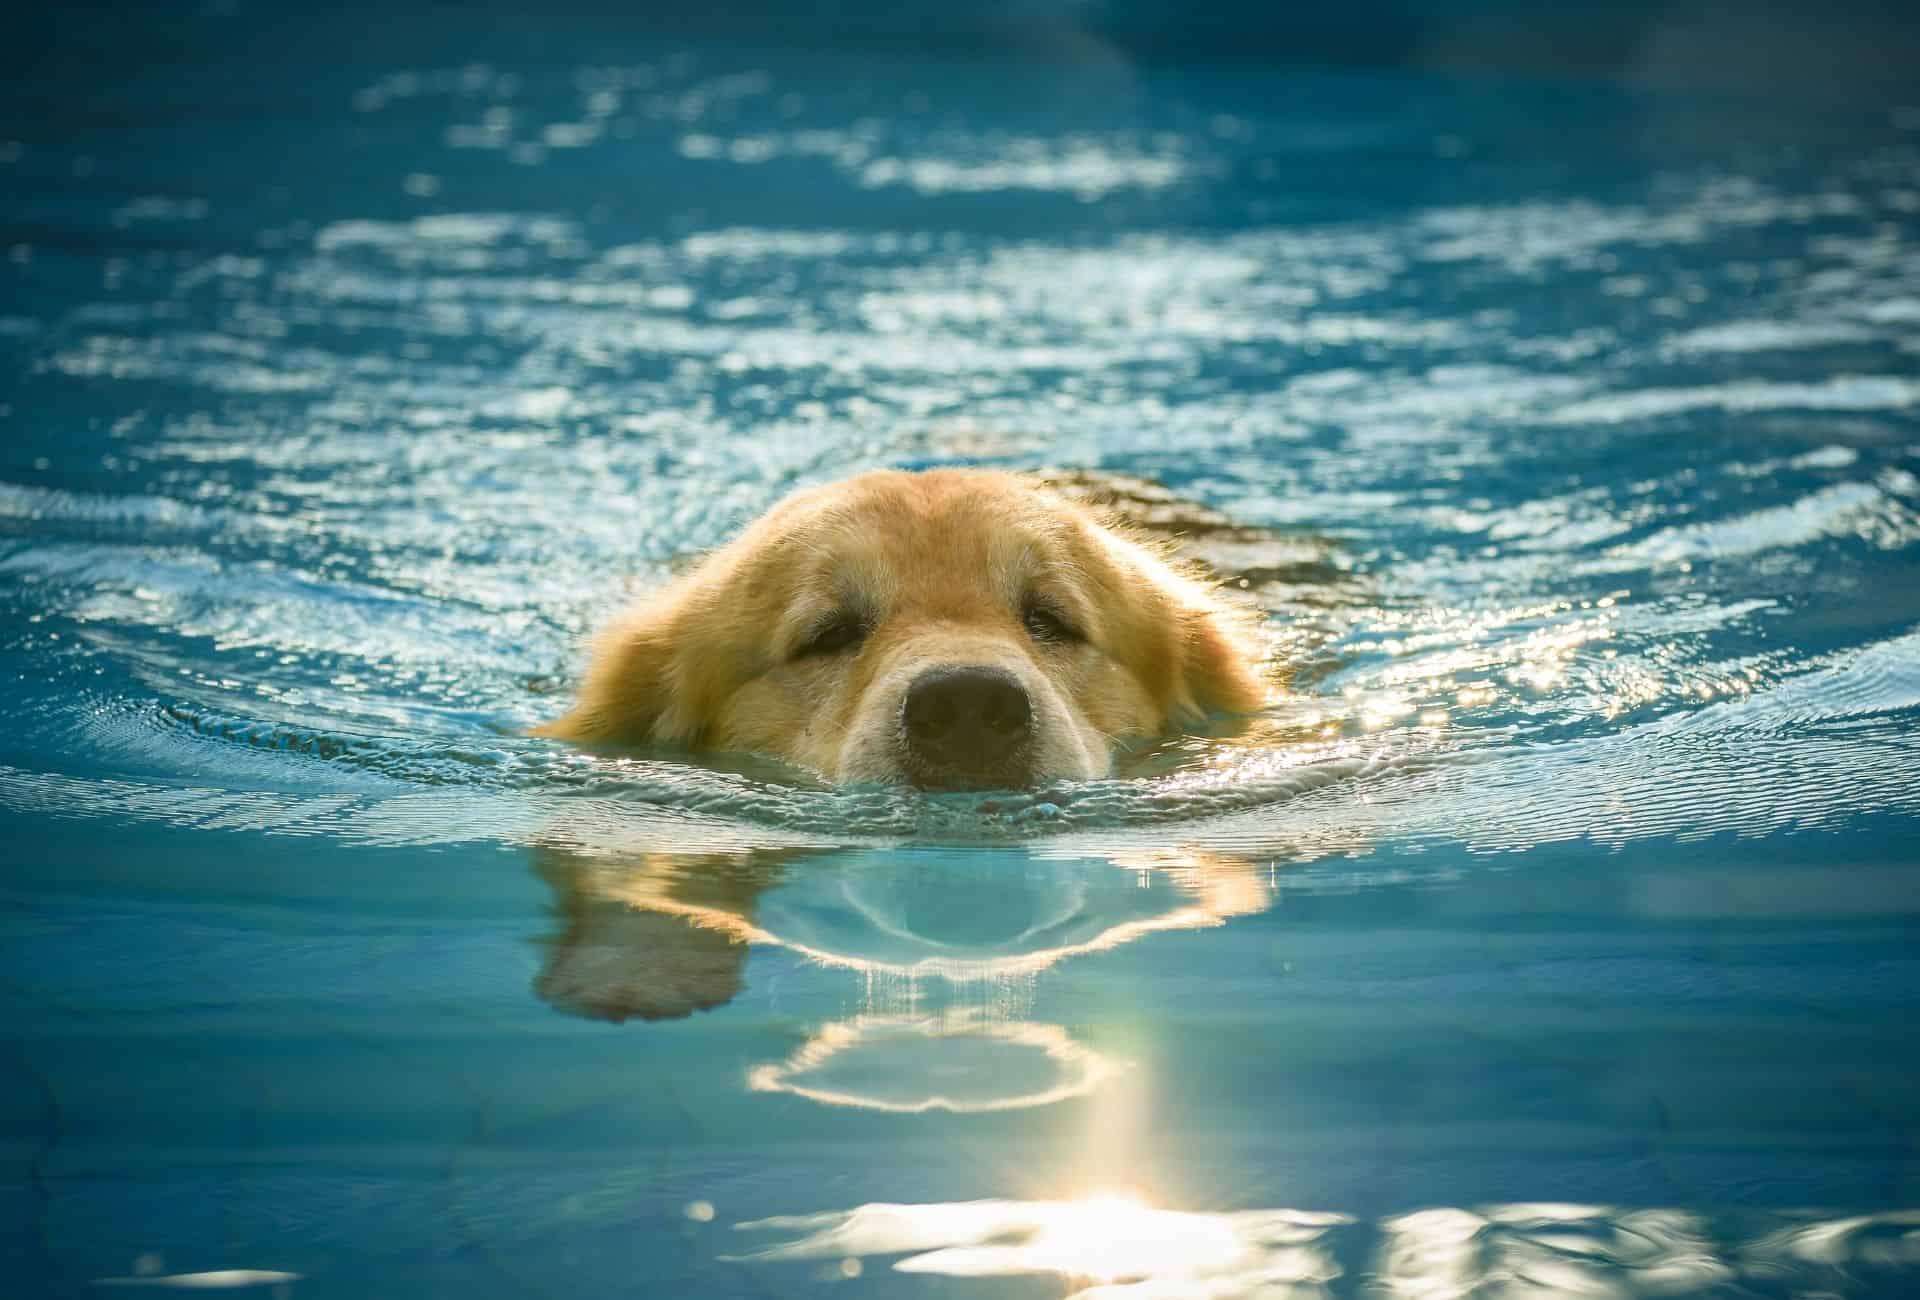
1559, 935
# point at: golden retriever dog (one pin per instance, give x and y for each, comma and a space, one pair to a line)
948, 629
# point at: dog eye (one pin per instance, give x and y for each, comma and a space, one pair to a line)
1049, 625
841, 632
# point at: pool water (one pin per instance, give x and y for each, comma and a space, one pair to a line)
1557, 935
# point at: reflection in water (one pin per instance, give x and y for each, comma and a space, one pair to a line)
961, 1061
949, 946
1112, 1241
1882, 1241
1111, 1246
224, 1279
658, 935
953, 921
1544, 1250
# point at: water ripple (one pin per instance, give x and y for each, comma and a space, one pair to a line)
1587, 517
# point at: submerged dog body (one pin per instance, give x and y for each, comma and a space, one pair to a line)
952, 629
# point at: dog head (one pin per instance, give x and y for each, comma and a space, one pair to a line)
952, 629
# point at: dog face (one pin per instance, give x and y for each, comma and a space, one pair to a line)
952, 629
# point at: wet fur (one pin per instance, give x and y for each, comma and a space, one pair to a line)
940, 565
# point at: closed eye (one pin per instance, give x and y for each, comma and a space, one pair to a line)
842, 631
1049, 625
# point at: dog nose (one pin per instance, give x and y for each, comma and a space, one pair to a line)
967, 727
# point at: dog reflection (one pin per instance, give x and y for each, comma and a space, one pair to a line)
653, 937
658, 935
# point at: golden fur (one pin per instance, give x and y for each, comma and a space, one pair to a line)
1109, 639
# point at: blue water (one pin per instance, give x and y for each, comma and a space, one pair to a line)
1555, 936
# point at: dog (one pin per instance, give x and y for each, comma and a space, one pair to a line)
950, 629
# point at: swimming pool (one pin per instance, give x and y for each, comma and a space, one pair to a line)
355, 367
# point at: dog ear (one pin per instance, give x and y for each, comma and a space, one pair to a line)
1219, 672
657, 673
628, 689
1196, 652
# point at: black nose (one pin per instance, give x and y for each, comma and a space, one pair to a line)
967, 727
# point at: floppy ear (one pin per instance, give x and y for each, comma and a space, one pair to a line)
659, 672
662, 670
628, 689
1196, 652
1217, 661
